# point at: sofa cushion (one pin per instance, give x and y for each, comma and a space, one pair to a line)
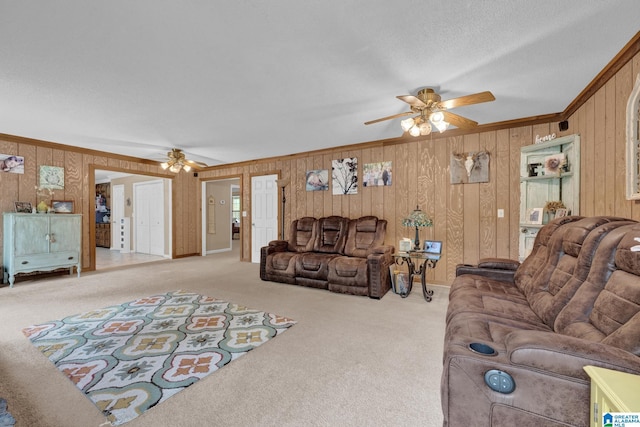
331, 235
303, 235
610, 297
365, 234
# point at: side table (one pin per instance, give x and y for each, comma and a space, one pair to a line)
418, 262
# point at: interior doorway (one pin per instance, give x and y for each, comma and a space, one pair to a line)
116, 210
264, 213
222, 216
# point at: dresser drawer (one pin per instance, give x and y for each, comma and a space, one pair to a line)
57, 259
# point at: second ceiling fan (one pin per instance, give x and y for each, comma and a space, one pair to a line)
431, 111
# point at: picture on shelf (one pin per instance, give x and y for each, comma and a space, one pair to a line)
554, 164
62, 206
535, 215
560, 212
23, 207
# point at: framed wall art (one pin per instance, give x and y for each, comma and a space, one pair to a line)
376, 174
12, 164
317, 180
52, 177
344, 174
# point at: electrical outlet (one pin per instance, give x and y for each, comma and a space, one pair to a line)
500, 213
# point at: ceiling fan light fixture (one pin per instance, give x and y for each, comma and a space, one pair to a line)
436, 117
175, 168
414, 131
164, 165
442, 125
425, 128
407, 124
186, 168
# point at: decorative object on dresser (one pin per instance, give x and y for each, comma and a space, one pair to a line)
23, 207
62, 206
40, 243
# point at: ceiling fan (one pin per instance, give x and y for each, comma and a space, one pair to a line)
176, 161
432, 111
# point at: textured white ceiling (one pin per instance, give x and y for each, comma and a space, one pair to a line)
241, 80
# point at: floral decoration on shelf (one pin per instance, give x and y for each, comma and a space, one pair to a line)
554, 205
45, 195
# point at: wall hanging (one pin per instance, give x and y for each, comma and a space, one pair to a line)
471, 167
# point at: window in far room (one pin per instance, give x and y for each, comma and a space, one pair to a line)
235, 209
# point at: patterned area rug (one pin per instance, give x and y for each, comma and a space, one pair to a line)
130, 357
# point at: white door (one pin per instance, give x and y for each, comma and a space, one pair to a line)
264, 213
149, 217
117, 212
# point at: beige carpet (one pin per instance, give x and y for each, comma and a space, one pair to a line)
349, 361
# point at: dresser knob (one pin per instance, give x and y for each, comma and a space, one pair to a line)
70, 257
25, 262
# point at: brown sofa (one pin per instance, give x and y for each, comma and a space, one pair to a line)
518, 335
334, 253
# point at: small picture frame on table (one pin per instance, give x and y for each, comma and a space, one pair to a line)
535, 215
23, 207
62, 206
561, 212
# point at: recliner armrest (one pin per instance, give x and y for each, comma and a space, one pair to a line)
385, 249
499, 263
277, 246
490, 273
565, 355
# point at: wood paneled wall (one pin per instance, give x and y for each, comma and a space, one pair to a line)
465, 215
80, 166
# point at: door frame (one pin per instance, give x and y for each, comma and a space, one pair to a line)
277, 201
91, 265
203, 214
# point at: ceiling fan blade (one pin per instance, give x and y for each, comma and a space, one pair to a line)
195, 164
459, 121
476, 98
412, 100
406, 113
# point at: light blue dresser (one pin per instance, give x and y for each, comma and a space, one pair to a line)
40, 242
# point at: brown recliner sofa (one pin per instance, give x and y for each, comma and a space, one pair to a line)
335, 253
516, 342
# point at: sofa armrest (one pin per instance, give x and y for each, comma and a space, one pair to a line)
385, 249
273, 247
499, 274
378, 263
499, 263
565, 355
277, 246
